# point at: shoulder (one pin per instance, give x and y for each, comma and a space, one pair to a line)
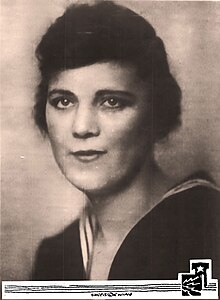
186, 218
189, 214
57, 254
194, 195
184, 225
54, 241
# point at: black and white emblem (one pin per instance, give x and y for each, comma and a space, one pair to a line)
199, 279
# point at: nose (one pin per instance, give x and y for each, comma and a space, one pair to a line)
85, 123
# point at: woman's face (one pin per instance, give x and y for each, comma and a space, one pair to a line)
98, 125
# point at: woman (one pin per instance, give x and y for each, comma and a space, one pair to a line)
106, 96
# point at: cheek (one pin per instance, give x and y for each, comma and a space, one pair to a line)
51, 124
130, 133
58, 128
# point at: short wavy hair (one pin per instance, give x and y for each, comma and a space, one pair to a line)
105, 31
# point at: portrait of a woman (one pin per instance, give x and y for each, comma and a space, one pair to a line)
105, 97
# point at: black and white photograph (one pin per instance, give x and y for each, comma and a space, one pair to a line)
110, 146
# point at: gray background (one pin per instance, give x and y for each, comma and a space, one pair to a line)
36, 200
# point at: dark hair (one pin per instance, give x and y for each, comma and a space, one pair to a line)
86, 34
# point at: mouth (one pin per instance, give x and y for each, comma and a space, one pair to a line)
88, 155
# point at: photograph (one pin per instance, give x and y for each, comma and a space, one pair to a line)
110, 152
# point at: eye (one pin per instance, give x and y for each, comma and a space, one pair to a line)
113, 102
61, 102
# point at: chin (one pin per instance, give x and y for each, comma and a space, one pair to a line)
99, 185
101, 181
93, 189
96, 184
88, 184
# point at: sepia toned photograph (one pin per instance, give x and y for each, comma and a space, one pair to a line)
110, 141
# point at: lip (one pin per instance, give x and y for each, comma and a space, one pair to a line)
88, 155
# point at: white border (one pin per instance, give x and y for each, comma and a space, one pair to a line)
114, 289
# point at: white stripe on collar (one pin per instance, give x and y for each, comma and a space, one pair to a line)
188, 185
88, 229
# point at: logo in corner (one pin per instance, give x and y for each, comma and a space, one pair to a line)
199, 280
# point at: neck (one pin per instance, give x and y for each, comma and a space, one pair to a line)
118, 212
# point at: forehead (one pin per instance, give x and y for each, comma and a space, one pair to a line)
106, 75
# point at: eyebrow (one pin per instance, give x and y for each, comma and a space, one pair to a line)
61, 91
97, 94
118, 92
